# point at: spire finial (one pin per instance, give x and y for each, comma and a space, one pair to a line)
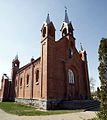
66, 16
81, 47
48, 19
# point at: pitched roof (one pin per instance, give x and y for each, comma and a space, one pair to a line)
27, 65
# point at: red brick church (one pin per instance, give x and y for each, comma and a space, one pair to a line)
60, 73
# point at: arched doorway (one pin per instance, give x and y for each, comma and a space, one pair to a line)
72, 85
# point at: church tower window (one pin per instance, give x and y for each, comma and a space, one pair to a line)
44, 32
64, 33
71, 76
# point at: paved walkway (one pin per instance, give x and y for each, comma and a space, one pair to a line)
70, 116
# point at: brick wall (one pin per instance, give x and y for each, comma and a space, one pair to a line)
58, 85
4, 92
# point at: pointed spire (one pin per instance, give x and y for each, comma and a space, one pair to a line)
16, 57
81, 47
48, 19
66, 16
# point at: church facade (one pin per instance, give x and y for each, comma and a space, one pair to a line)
60, 73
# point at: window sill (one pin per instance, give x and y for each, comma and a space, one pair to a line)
27, 85
37, 83
72, 83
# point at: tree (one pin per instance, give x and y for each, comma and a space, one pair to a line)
103, 78
98, 93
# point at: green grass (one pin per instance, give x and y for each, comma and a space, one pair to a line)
19, 109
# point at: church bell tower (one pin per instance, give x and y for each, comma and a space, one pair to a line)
47, 55
15, 68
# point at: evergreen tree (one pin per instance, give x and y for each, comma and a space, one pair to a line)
98, 93
103, 78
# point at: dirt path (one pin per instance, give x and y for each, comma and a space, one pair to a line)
70, 116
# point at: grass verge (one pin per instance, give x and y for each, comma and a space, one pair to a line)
19, 109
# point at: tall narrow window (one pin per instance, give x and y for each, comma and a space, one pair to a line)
21, 82
70, 52
27, 82
37, 76
71, 76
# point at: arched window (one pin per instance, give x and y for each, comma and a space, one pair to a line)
64, 32
37, 76
27, 82
71, 76
21, 82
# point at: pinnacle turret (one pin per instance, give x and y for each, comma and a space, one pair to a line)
67, 27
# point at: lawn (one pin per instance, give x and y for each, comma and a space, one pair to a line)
19, 109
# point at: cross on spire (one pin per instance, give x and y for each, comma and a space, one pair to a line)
66, 16
48, 19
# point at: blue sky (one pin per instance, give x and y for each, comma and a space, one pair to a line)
21, 21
